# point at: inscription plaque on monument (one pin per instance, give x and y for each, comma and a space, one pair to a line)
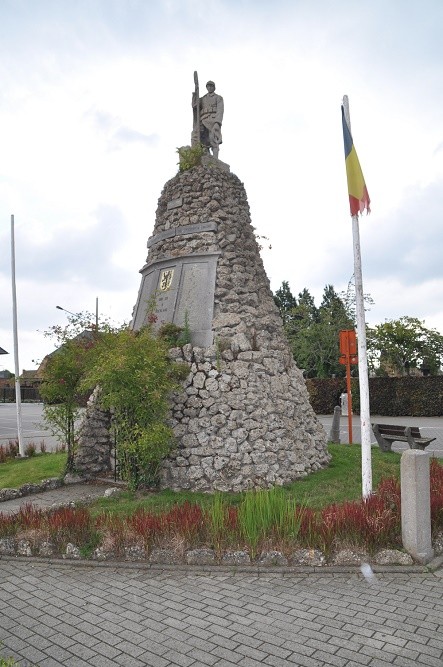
179, 290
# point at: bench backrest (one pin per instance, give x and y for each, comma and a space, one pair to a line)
396, 429
390, 429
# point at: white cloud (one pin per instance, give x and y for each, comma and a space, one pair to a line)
96, 98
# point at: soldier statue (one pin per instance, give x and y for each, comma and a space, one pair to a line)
208, 118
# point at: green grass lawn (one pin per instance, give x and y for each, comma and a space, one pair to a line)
32, 470
339, 482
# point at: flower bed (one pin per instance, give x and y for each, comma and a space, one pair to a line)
267, 528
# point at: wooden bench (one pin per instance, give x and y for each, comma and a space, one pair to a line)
386, 434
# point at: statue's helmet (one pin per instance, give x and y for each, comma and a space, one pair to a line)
210, 83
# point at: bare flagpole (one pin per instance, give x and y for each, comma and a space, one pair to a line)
18, 398
365, 418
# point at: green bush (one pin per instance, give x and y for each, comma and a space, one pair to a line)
136, 377
190, 156
390, 396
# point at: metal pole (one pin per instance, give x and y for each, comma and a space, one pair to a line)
349, 389
365, 418
96, 314
21, 448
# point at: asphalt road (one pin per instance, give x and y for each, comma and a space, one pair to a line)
34, 429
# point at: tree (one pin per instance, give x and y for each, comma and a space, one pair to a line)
396, 346
316, 346
313, 333
333, 311
349, 299
62, 372
285, 301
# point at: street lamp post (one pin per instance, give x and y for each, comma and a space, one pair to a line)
66, 311
74, 315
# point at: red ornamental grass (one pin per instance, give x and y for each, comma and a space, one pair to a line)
69, 524
186, 519
436, 472
3, 454
8, 451
232, 519
436, 481
30, 517
149, 526
389, 490
115, 527
8, 525
369, 524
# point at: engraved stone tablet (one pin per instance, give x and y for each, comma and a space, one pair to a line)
177, 290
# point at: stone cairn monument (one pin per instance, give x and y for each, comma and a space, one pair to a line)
243, 419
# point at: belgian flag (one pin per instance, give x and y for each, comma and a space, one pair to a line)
358, 193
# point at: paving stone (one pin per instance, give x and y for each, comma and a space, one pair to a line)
290, 624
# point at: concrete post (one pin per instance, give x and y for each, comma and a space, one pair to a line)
334, 435
416, 505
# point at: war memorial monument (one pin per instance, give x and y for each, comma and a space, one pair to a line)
242, 419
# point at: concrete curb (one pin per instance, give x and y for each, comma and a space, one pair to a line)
430, 569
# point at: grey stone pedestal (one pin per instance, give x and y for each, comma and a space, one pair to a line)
416, 505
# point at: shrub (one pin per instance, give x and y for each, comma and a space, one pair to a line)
190, 156
9, 451
136, 377
30, 449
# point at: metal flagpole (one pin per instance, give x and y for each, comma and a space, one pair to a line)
365, 418
18, 398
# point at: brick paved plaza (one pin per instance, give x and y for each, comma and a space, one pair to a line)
80, 615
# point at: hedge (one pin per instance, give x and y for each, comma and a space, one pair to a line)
408, 396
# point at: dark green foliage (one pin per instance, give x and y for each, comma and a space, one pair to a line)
60, 388
285, 301
135, 377
408, 396
313, 333
324, 393
171, 334
414, 396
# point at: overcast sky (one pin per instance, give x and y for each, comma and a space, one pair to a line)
95, 98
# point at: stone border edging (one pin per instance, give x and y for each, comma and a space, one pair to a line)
431, 568
31, 489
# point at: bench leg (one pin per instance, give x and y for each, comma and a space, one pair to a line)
385, 445
412, 443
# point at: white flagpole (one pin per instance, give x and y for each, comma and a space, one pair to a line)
18, 398
365, 417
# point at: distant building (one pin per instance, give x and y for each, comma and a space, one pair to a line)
30, 378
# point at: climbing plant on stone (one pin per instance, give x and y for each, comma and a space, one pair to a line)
136, 377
